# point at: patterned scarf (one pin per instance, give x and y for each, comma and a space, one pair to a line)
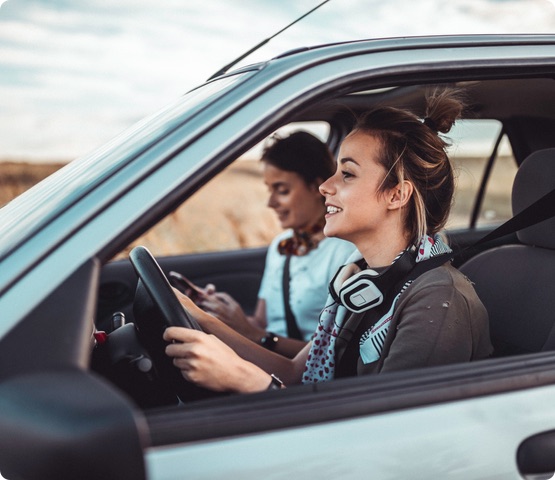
320, 363
302, 241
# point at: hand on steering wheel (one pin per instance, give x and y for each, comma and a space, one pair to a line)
156, 307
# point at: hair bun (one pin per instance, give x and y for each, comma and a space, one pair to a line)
430, 124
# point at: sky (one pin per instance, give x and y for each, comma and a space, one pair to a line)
74, 74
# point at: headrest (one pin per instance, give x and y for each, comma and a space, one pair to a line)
534, 179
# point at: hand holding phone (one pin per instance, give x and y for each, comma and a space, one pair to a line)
186, 286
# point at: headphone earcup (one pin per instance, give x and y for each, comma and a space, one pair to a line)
359, 293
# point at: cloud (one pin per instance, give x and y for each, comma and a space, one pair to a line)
74, 74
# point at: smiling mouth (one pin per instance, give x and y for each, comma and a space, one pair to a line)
331, 210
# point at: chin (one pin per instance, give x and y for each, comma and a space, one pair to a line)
329, 232
286, 225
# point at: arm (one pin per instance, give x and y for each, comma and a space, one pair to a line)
226, 352
225, 308
433, 329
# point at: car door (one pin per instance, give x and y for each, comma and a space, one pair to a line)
460, 421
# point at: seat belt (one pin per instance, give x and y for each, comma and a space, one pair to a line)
542, 209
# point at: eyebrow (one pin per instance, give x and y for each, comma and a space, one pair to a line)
345, 160
278, 184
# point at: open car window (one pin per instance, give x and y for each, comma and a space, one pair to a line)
230, 212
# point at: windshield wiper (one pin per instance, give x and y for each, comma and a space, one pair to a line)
263, 42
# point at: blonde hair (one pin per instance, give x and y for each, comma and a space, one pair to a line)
413, 151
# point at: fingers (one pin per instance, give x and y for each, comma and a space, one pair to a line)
181, 335
184, 354
218, 305
202, 359
225, 298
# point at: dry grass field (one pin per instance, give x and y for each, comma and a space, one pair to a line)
16, 177
230, 212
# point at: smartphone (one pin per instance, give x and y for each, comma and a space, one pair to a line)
184, 285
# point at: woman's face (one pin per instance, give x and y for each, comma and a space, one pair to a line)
356, 211
297, 205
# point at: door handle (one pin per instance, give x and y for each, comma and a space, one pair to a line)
536, 456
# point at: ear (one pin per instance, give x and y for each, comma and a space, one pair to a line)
399, 196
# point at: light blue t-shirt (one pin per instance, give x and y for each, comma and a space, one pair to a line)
308, 289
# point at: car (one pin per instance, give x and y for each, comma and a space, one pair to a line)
79, 397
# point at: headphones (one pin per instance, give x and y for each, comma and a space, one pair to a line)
361, 290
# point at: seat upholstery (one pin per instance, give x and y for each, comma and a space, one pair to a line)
516, 283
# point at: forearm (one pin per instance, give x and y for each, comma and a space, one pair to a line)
208, 362
289, 347
287, 369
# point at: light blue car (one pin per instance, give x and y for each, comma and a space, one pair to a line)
75, 403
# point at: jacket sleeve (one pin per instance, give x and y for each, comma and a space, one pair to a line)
433, 328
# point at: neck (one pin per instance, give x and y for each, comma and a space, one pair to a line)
381, 252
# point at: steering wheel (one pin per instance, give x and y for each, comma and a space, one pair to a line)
158, 287
155, 308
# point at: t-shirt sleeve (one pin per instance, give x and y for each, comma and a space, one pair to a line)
272, 260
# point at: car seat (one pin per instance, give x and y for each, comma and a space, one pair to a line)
516, 282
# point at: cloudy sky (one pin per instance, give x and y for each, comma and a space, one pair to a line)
73, 74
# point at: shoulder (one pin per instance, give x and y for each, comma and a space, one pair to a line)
446, 282
445, 275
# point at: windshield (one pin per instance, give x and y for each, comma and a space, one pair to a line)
42, 203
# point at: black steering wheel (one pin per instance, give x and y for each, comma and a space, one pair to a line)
158, 287
155, 308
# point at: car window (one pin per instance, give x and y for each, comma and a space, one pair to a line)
472, 144
228, 213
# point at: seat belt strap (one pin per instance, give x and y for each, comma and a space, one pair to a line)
537, 212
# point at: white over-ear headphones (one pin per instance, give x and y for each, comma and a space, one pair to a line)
360, 290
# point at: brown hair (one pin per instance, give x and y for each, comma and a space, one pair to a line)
301, 153
413, 151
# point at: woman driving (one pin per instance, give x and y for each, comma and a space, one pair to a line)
391, 307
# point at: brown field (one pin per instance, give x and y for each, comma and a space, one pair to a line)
16, 177
230, 212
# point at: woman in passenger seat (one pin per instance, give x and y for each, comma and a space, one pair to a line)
398, 304
294, 167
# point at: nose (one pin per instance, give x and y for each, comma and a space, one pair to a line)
272, 202
326, 188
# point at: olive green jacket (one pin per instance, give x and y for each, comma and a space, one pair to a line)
437, 320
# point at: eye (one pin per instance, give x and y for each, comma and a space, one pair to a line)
346, 174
